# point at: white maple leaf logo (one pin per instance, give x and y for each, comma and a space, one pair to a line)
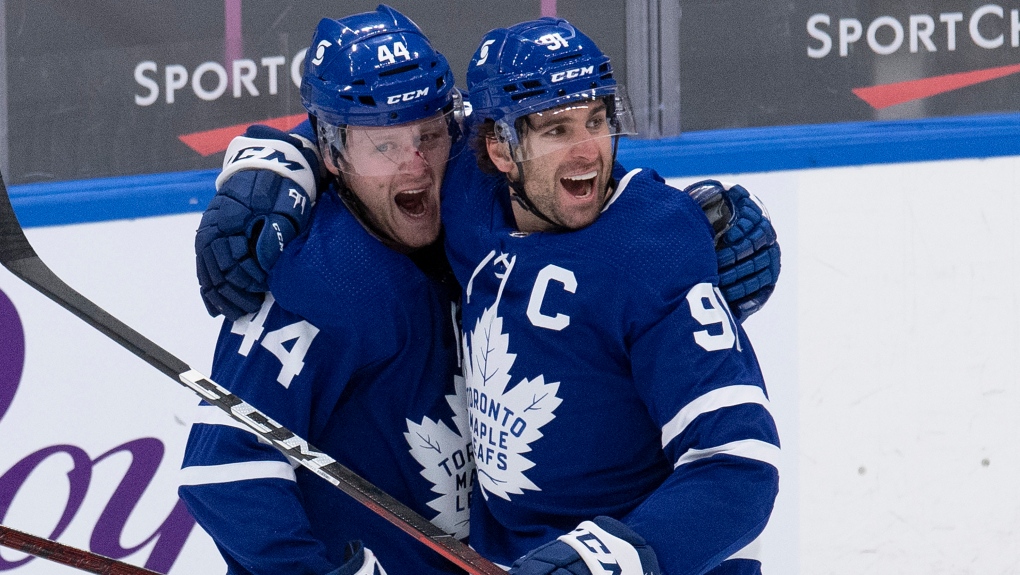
447, 462
503, 422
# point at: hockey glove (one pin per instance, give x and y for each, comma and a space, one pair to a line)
745, 244
264, 198
597, 547
358, 560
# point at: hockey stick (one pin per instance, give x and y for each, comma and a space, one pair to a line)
18, 256
66, 555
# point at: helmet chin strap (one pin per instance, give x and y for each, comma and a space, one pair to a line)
518, 195
359, 210
354, 204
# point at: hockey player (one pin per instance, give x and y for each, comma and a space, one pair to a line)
238, 198
618, 413
362, 369
250, 220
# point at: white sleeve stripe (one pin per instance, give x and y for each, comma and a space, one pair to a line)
746, 448
231, 472
752, 551
212, 415
711, 401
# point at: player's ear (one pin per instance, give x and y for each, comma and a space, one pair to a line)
499, 153
330, 156
328, 160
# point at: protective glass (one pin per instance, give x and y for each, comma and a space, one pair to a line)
410, 148
583, 121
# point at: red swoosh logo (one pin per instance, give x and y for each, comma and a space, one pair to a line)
210, 142
885, 95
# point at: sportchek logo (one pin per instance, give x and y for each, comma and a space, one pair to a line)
885, 95
167, 83
988, 27
215, 141
828, 36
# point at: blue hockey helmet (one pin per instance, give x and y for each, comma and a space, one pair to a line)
384, 105
374, 69
538, 65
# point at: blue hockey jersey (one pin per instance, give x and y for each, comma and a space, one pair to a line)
605, 376
354, 351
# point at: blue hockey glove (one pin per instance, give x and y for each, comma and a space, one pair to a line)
264, 198
358, 560
597, 547
745, 244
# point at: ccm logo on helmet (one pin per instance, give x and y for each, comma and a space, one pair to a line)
407, 96
570, 74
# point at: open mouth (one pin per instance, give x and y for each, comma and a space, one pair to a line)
412, 202
581, 185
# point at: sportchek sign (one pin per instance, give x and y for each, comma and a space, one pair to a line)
988, 27
766, 63
111, 87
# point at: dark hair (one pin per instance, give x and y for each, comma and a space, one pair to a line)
487, 131
480, 136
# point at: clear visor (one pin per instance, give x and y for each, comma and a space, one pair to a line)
583, 123
412, 148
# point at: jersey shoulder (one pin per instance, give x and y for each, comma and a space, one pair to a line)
655, 232
469, 197
337, 273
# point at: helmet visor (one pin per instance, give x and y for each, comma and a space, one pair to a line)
409, 148
590, 119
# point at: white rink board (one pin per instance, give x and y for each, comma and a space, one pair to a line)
890, 349
79, 388
897, 316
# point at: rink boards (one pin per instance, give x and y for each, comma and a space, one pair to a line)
890, 349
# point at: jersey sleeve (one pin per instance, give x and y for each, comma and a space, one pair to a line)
333, 340
697, 374
242, 491
470, 210
304, 129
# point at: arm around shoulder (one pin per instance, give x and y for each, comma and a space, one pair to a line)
746, 243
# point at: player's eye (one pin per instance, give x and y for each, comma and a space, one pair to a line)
555, 131
430, 137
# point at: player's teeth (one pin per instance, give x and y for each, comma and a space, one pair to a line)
582, 177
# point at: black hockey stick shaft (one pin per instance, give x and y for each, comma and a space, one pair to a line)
18, 256
66, 555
